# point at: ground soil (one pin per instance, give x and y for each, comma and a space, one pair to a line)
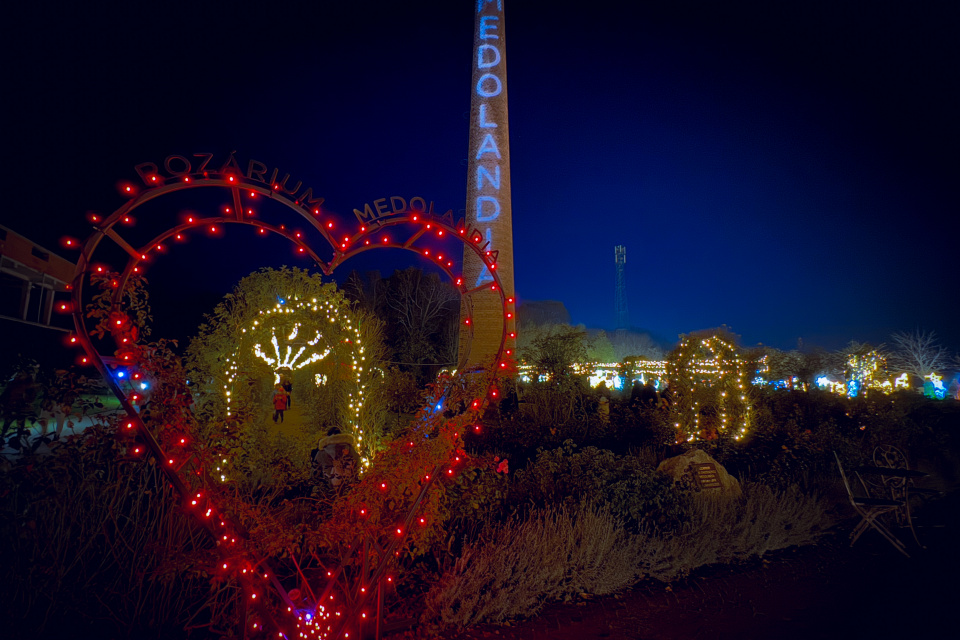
829, 590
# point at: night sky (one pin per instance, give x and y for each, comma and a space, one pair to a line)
788, 169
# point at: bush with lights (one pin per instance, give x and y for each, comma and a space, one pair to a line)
288, 323
710, 386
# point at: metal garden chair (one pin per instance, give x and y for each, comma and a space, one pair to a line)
870, 510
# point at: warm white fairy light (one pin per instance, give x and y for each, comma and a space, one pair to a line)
284, 357
867, 371
713, 362
289, 360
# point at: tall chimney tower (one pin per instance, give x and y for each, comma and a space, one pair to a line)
488, 186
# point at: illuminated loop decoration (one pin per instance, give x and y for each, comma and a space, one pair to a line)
292, 351
709, 370
139, 232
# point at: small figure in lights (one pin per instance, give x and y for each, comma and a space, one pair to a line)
280, 399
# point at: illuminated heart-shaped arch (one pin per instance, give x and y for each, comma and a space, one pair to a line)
404, 228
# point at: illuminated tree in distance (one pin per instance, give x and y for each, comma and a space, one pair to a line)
865, 369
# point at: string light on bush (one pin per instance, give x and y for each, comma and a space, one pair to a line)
291, 315
710, 368
867, 371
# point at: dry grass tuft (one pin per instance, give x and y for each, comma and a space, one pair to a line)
554, 554
559, 553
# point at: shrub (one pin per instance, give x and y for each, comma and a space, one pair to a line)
629, 487
722, 531
96, 544
558, 553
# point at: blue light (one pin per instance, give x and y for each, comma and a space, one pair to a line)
486, 90
281, 300
121, 374
488, 145
853, 388
492, 178
492, 215
144, 385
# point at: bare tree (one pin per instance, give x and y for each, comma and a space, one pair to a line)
420, 300
420, 303
918, 353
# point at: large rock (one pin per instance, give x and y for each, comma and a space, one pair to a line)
701, 473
